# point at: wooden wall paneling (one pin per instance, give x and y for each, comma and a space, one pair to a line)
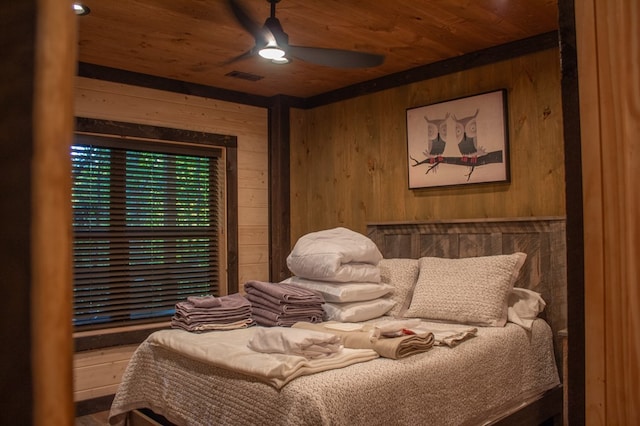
609, 63
108, 100
98, 373
594, 284
618, 71
343, 173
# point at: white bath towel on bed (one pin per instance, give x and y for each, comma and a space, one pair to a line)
285, 340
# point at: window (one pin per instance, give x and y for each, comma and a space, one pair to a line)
146, 223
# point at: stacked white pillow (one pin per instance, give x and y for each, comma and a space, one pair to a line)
343, 266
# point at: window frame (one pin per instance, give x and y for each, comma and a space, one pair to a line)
89, 127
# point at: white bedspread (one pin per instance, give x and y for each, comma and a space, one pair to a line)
443, 386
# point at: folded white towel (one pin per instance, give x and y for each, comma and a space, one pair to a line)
284, 340
448, 334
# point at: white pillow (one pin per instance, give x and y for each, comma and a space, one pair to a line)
337, 254
524, 306
402, 275
342, 292
471, 290
357, 311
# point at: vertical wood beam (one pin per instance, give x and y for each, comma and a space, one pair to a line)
51, 279
36, 94
609, 65
574, 226
279, 188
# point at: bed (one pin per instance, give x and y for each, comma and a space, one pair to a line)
478, 381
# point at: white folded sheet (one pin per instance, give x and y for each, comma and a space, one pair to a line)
229, 350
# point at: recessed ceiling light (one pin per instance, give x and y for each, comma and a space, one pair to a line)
80, 9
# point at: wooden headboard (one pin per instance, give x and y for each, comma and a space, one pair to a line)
541, 238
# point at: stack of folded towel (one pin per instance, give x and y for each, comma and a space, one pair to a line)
206, 313
277, 304
343, 266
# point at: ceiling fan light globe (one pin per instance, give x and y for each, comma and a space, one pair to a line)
271, 52
281, 61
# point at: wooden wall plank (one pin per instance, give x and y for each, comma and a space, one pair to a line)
609, 65
99, 372
595, 349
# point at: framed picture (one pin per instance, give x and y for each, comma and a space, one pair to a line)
459, 142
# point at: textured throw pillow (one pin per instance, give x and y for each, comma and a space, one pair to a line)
402, 275
524, 306
471, 290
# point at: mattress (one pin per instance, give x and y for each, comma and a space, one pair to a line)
466, 384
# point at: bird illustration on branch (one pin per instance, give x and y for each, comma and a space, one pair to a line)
464, 136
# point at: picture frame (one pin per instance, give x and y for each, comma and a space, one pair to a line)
459, 142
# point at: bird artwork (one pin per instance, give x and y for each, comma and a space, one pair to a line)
436, 138
467, 138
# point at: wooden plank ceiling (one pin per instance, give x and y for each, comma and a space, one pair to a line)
193, 40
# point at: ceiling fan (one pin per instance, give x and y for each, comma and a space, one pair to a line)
271, 42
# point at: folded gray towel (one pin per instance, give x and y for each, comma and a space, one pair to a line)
231, 303
285, 308
283, 293
232, 309
208, 301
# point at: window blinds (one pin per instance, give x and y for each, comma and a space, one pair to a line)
145, 224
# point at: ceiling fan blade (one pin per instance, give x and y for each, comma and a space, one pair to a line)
335, 57
241, 57
245, 20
